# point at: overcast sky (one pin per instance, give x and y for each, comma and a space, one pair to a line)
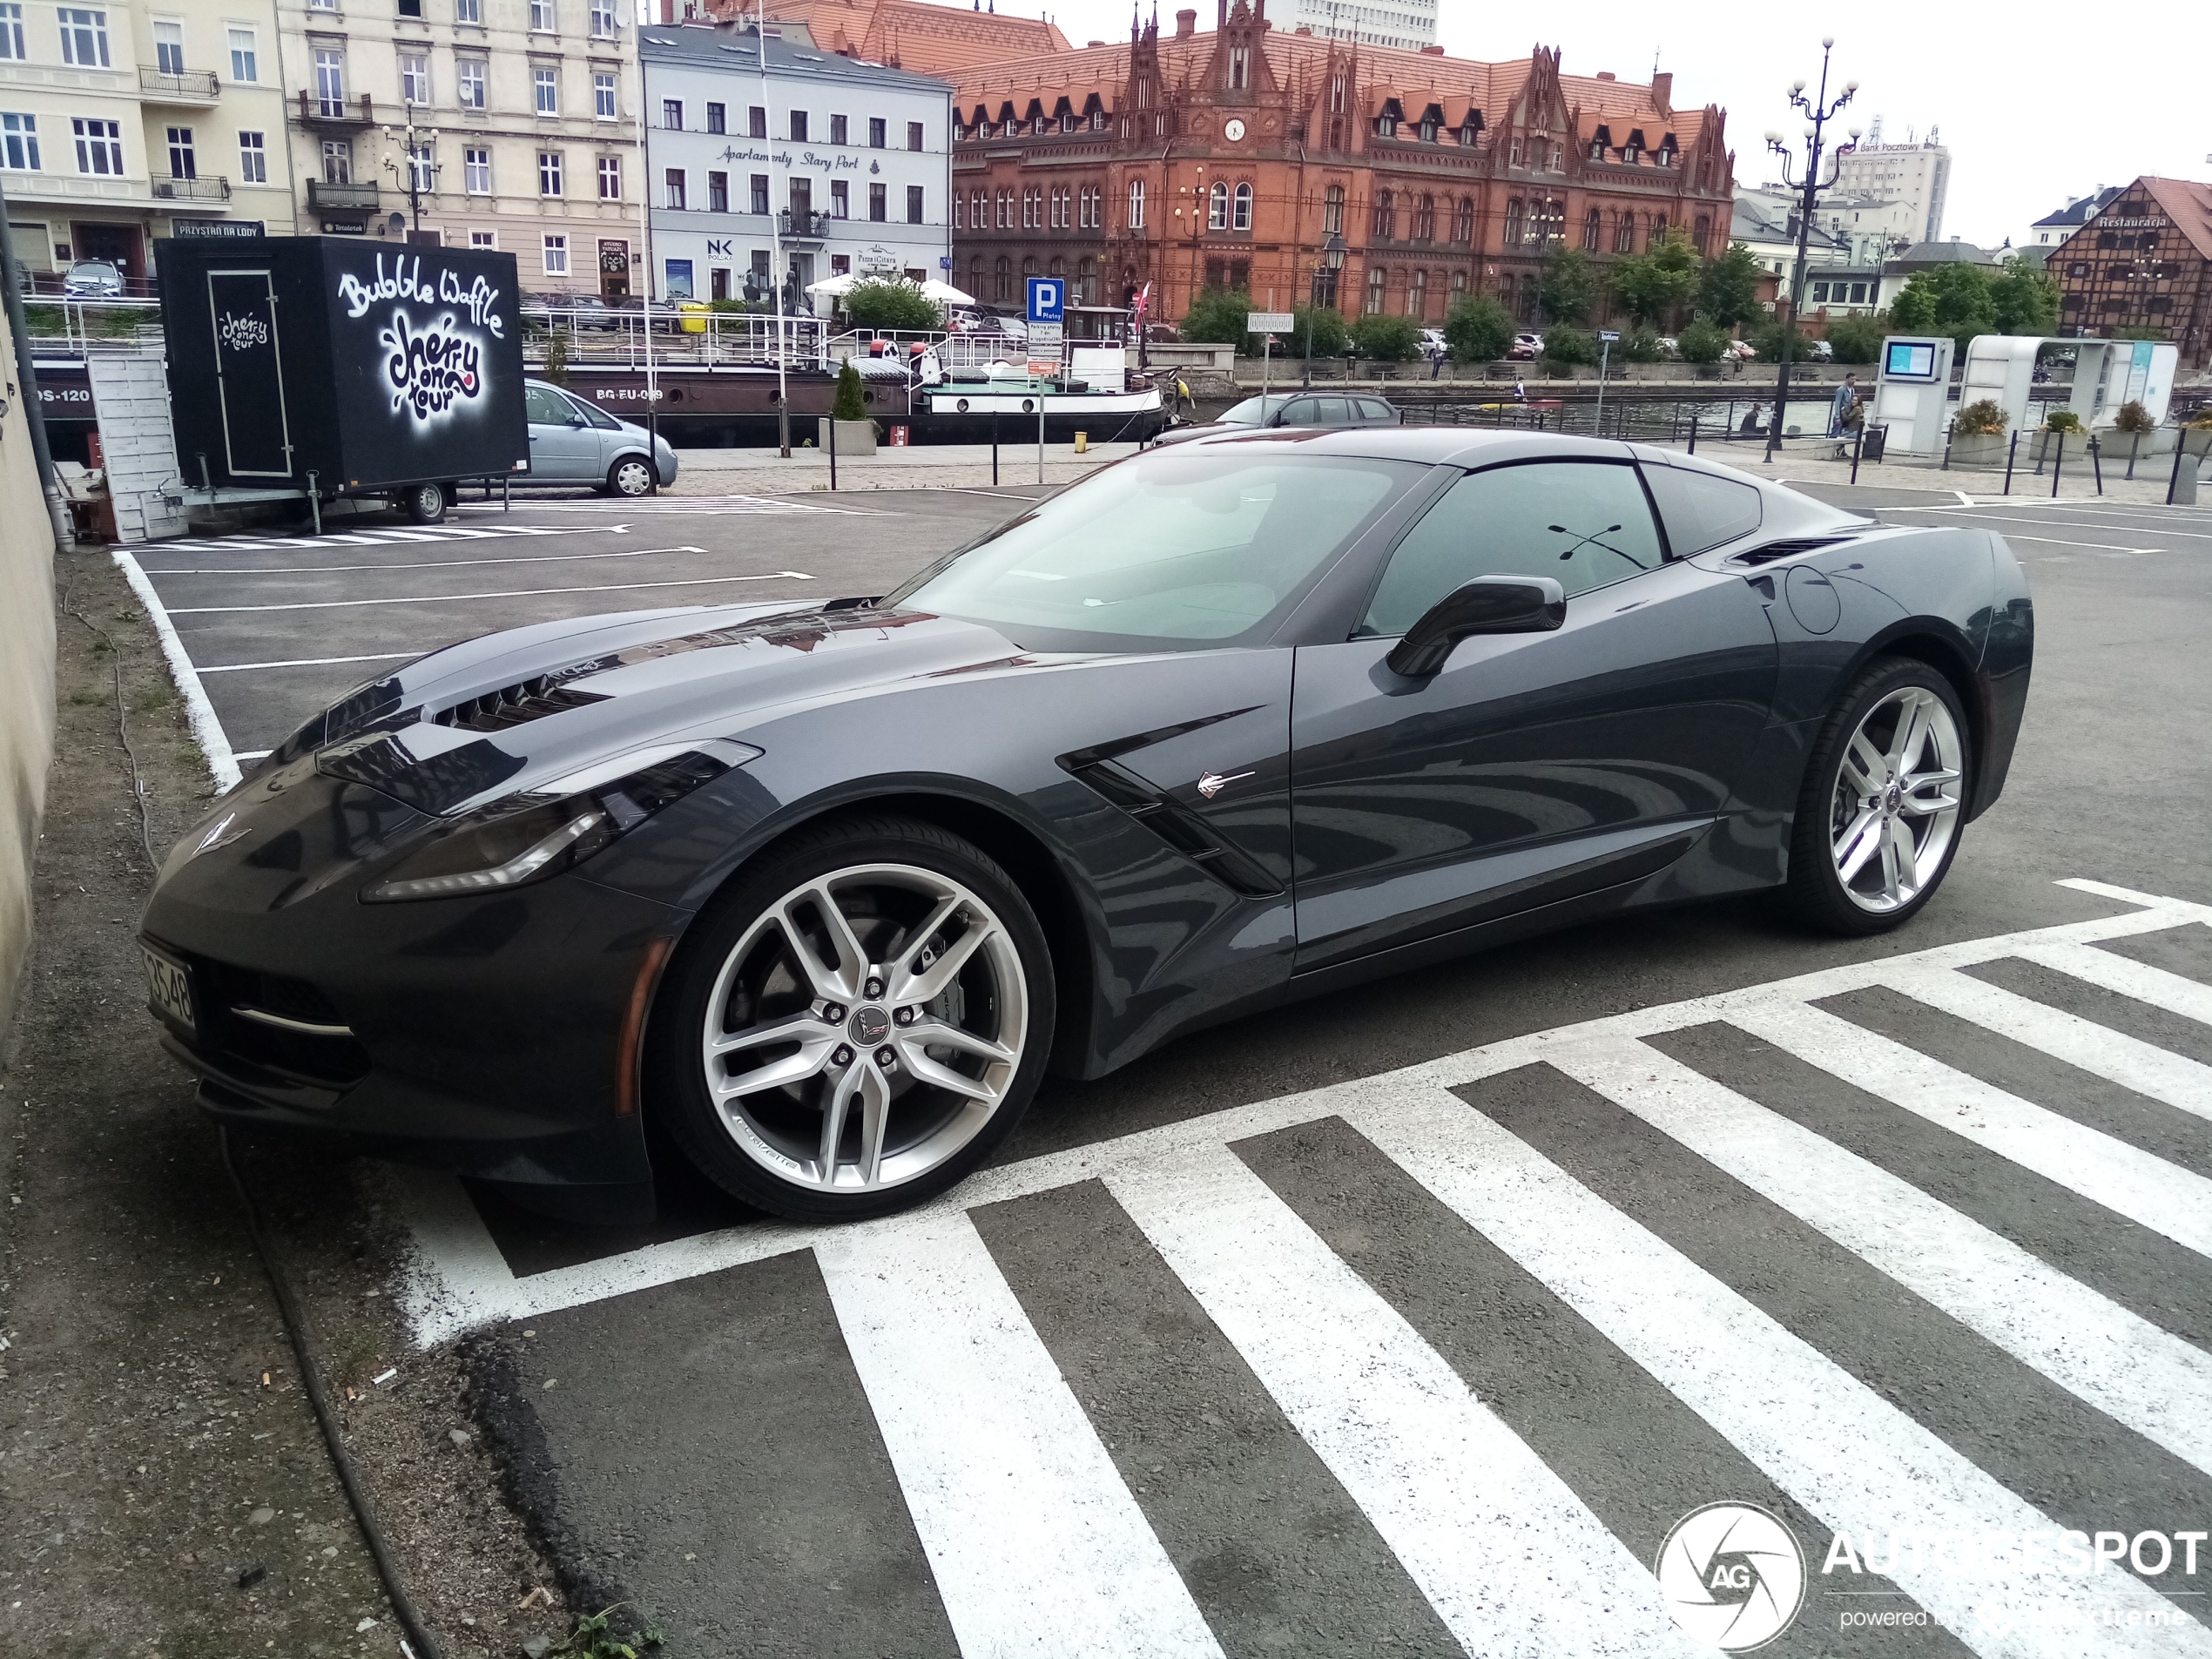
2037, 102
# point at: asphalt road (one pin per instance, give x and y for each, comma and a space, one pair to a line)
1412, 1321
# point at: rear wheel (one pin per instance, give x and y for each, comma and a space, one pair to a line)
855, 1025
424, 503
1884, 802
629, 476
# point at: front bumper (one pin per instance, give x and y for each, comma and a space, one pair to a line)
485, 1035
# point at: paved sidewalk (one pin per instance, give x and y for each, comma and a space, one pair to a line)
2077, 481
941, 466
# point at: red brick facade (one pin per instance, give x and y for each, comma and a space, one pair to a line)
2142, 261
1224, 158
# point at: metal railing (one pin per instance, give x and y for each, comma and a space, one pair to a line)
615, 336
194, 84
69, 327
349, 197
334, 111
214, 188
803, 225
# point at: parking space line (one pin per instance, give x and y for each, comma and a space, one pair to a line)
315, 661
200, 713
435, 564
512, 593
714, 505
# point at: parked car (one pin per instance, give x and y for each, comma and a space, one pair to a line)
92, 280
1669, 348
1819, 351
1740, 351
819, 887
1526, 348
571, 442
1432, 341
1294, 408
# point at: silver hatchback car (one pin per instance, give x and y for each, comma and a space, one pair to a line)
573, 443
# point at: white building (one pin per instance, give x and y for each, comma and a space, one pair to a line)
848, 163
1916, 175
1406, 25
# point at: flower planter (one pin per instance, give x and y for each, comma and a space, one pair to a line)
2042, 446
853, 437
1979, 449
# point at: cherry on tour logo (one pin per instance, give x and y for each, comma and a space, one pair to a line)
242, 333
1732, 1575
430, 370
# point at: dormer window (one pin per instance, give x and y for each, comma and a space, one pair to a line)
1098, 120
1631, 152
1240, 68
1467, 136
1428, 133
1597, 149
1385, 126
1664, 157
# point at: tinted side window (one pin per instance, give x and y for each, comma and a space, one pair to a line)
1583, 523
1333, 411
1304, 411
547, 406
1374, 410
1700, 509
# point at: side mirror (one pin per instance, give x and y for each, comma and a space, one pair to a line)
1488, 605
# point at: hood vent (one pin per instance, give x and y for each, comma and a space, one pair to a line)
516, 705
1185, 830
1774, 550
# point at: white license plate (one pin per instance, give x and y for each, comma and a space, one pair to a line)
169, 990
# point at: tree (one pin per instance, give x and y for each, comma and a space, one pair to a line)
1727, 289
1953, 298
850, 402
1477, 329
2024, 298
889, 303
1855, 340
1564, 345
1652, 284
1327, 324
1387, 339
1218, 315
1766, 336
1567, 290
1639, 346
1703, 342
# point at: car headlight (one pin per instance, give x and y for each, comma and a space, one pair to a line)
527, 838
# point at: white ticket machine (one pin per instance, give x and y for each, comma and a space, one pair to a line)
2110, 373
1912, 393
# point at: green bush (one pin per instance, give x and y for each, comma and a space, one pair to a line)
1766, 336
2062, 421
1217, 317
851, 403
1855, 340
890, 304
1703, 342
1983, 419
557, 359
1563, 345
1639, 346
1329, 335
2133, 417
1387, 339
1477, 329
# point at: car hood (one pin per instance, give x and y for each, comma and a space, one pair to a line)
518, 711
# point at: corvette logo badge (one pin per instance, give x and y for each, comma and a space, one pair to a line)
221, 834
1212, 783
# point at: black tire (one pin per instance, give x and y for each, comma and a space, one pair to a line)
677, 1067
631, 477
424, 503
1817, 893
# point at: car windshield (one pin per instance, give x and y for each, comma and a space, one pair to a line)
1253, 411
1175, 549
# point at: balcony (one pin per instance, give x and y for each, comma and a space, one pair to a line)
802, 225
191, 86
349, 198
191, 190
335, 114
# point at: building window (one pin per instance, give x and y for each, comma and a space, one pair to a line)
1385, 125
1468, 132
19, 142
1513, 222
913, 203
83, 38
603, 19
1858, 294
1332, 210
1241, 217
252, 159
421, 168
717, 192
1217, 207
338, 161
1335, 94
545, 86
542, 21
1631, 152
556, 253
876, 138
11, 31
548, 172
183, 160
840, 199
1240, 68
913, 135
1136, 204
603, 97
1624, 233
758, 192
1417, 296
1658, 230
674, 181
1820, 293
798, 126
169, 48
99, 146
1375, 292
671, 114
1385, 228
878, 210
1425, 220
1003, 276
756, 122
244, 65
959, 211
717, 118
414, 79
1593, 229
475, 170
609, 179
468, 81
1700, 234
1513, 154
487, 241
468, 11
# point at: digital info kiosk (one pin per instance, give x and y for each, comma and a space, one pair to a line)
1912, 393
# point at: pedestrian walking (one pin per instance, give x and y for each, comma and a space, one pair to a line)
1435, 361
1520, 391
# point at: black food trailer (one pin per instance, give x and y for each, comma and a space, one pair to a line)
325, 367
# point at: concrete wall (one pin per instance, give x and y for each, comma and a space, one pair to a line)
26, 673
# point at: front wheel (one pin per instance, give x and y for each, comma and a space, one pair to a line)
629, 476
856, 1023
1884, 802
424, 503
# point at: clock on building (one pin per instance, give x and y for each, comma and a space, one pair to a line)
1234, 131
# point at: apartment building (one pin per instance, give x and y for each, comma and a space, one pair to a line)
121, 124
844, 165
509, 125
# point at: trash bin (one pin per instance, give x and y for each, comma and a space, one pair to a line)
1877, 438
693, 319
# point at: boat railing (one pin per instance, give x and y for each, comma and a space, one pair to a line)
612, 336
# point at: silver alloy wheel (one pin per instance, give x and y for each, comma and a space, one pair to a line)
1897, 801
633, 477
881, 1013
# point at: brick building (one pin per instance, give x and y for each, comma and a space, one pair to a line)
1225, 158
2143, 261
916, 36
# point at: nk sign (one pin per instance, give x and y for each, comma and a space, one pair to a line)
1048, 298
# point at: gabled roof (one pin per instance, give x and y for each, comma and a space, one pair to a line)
1953, 252
2188, 203
910, 34
2075, 214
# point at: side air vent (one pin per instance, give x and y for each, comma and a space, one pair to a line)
1774, 550
1176, 824
516, 705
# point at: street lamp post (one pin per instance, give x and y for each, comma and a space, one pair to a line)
1331, 261
1819, 110
416, 174
775, 256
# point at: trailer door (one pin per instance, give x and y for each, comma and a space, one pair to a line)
249, 374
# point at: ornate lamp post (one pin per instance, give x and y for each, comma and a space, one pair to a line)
416, 173
1819, 110
1324, 278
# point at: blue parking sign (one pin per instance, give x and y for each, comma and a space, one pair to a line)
1047, 296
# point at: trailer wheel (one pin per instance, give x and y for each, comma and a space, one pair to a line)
424, 503
629, 476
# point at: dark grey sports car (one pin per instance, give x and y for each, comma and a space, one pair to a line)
824, 891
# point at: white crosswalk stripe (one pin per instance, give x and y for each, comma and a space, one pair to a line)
1039, 1543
